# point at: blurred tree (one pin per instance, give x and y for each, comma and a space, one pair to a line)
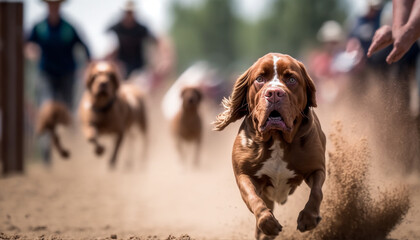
292, 25
204, 32
211, 31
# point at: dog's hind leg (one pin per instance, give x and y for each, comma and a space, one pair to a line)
130, 151
117, 146
197, 153
142, 123
180, 149
64, 153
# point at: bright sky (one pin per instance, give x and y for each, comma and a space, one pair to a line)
93, 17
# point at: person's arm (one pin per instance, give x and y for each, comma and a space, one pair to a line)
400, 12
150, 36
381, 39
413, 23
404, 33
85, 47
31, 48
385, 35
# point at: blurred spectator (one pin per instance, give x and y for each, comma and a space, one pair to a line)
54, 39
331, 37
405, 30
131, 39
323, 64
159, 68
361, 34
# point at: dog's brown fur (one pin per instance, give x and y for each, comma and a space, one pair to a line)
186, 125
280, 142
109, 107
51, 115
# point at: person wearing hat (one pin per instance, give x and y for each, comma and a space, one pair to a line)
366, 24
53, 40
321, 61
131, 36
56, 39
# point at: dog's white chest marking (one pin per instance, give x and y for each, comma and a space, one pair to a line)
87, 105
130, 96
276, 169
132, 100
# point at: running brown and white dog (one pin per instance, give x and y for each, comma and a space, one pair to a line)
110, 107
52, 114
186, 125
280, 142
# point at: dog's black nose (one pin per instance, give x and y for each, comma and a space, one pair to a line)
103, 85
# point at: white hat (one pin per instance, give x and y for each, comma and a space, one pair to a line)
130, 6
375, 3
330, 31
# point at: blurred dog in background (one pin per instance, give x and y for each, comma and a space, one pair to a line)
52, 114
186, 125
110, 107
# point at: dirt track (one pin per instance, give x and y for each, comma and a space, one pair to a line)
83, 199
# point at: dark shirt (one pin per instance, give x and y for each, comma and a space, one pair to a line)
131, 41
365, 28
57, 43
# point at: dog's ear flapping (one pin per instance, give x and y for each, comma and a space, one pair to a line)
236, 105
310, 87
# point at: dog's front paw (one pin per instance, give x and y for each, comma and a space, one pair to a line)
307, 220
99, 150
268, 224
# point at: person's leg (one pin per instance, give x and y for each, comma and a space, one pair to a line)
45, 92
63, 90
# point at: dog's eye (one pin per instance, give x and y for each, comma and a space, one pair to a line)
291, 80
259, 79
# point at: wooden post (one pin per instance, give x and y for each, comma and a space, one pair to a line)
11, 86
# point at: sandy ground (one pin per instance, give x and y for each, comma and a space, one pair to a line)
164, 198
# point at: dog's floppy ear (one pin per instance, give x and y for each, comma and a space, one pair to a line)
199, 94
183, 92
115, 75
310, 87
236, 105
102, 67
89, 75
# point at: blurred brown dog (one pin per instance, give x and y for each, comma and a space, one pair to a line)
109, 107
51, 115
186, 125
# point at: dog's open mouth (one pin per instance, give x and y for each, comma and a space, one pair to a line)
274, 121
101, 93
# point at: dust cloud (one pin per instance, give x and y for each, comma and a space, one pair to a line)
372, 182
